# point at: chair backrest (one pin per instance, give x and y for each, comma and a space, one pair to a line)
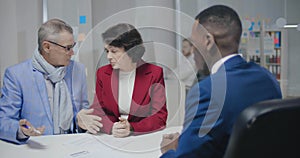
268, 129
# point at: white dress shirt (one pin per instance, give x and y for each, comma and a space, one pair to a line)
220, 62
126, 85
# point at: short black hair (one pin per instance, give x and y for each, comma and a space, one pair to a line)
224, 24
125, 36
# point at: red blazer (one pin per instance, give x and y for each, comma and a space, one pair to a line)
148, 110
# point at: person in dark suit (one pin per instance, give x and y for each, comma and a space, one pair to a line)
213, 104
130, 93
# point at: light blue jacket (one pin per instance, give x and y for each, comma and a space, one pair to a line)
24, 96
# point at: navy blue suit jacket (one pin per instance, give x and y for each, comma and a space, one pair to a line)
213, 105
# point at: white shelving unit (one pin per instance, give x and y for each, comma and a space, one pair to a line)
268, 48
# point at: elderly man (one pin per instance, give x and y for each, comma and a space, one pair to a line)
47, 94
213, 104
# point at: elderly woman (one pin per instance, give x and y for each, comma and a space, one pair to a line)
130, 93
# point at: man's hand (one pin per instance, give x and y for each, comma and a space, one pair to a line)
121, 129
29, 130
169, 141
89, 122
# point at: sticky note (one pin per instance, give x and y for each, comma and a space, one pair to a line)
81, 37
82, 19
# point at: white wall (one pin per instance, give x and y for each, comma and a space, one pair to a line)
293, 17
8, 50
254, 8
104, 10
19, 23
70, 11
257, 9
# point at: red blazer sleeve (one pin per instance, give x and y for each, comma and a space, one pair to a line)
107, 120
101, 105
158, 110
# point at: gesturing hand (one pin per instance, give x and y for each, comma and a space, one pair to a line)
121, 129
29, 130
89, 122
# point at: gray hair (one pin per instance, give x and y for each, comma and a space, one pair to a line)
51, 28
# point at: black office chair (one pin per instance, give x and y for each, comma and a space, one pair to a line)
268, 129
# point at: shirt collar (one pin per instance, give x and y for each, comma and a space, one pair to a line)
220, 62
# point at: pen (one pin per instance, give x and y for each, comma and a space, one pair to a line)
35, 130
77, 154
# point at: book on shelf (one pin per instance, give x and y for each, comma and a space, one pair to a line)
250, 49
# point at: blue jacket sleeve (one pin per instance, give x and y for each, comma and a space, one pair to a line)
80, 93
169, 154
10, 106
190, 143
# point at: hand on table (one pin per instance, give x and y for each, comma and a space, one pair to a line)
88, 121
169, 141
29, 130
121, 129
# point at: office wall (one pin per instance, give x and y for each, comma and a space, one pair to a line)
254, 9
101, 11
9, 39
104, 10
266, 9
293, 17
71, 11
19, 23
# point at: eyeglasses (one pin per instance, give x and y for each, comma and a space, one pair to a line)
67, 48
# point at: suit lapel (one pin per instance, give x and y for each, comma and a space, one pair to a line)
112, 83
41, 86
140, 92
141, 88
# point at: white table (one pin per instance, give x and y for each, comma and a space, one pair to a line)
87, 146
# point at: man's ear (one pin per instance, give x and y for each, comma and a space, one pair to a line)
210, 41
46, 46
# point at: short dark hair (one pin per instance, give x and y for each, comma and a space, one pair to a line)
125, 36
51, 28
224, 24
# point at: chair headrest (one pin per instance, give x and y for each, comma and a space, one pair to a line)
267, 129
